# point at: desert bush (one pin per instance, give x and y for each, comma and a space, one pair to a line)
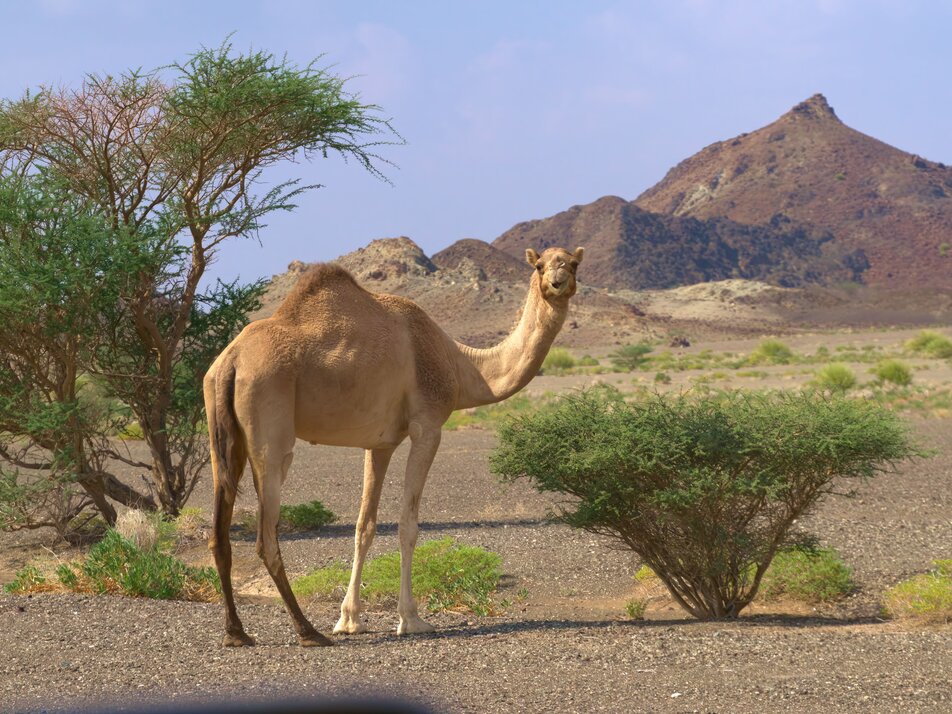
770, 352
807, 573
307, 516
587, 361
893, 371
930, 344
835, 378
116, 565
557, 359
662, 378
630, 357
704, 489
926, 597
635, 608
447, 574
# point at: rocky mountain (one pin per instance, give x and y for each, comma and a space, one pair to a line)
478, 255
808, 165
630, 248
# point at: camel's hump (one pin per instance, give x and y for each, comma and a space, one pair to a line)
321, 278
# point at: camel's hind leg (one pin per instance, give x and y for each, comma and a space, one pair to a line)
224, 504
270, 473
221, 547
375, 471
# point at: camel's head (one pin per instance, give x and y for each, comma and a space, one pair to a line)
556, 268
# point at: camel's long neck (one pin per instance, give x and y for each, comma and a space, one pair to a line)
490, 375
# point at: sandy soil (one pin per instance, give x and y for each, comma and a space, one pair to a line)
565, 647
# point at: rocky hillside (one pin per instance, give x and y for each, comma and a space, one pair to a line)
475, 292
630, 248
893, 206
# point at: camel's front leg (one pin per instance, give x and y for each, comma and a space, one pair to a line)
375, 471
425, 442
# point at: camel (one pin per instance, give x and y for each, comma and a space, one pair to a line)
339, 365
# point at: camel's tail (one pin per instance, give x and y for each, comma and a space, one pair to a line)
226, 437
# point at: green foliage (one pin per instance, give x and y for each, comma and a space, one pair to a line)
116, 565
587, 361
893, 371
770, 352
557, 360
836, 378
704, 489
630, 357
307, 516
643, 574
635, 608
662, 378
61, 267
944, 249
447, 574
810, 574
926, 597
28, 579
930, 344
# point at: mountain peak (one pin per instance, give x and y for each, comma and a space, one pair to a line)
816, 107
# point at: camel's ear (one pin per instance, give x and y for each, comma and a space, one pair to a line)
579, 252
531, 257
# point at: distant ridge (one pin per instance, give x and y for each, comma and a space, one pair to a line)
893, 206
628, 247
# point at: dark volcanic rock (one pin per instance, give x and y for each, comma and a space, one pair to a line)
628, 247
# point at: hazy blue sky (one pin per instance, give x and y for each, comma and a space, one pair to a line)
514, 111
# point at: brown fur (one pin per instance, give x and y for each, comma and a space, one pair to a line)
339, 365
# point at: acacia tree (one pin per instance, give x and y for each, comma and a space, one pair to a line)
174, 158
61, 266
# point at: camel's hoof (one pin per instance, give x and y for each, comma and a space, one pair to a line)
349, 627
414, 626
239, 639
315, 639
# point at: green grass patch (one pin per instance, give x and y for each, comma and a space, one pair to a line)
933, 402
493, 414
835, 378
557, 360
930, 344
116, 565
893, 371
630, 357
770, 351
635, 608
307, 516
809, 574
447, 575
926, 597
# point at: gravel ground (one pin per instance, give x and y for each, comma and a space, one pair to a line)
565, 647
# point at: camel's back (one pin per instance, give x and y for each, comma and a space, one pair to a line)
330, 319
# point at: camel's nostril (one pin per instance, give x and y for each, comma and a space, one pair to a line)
556, 285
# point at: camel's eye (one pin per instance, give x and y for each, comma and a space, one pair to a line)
539, 267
